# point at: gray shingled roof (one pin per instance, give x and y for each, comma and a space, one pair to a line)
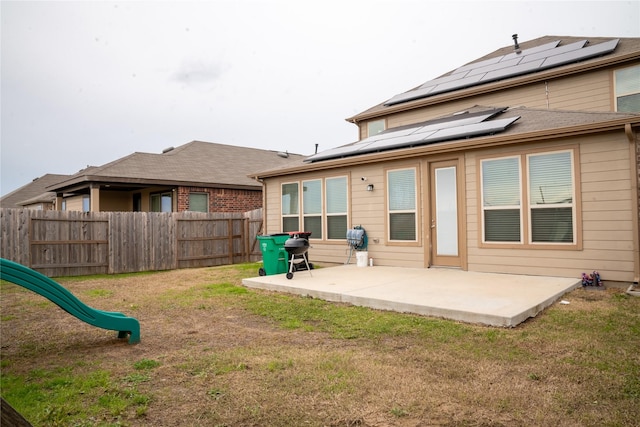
532, 122
33, 192
196, 163
628, 49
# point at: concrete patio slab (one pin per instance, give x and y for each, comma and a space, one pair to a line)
486, 298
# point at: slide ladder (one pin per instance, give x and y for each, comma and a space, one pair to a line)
48, 288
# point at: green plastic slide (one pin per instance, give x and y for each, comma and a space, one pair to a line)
41, 284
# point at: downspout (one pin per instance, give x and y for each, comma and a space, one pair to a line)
634, 159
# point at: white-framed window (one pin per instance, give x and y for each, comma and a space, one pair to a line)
551, 197
402, 202
86, 203
337, 207
312, 207
627, 89
529, 199
199, 202
290, 207
324, 207
375, 127
501, 199
162, 202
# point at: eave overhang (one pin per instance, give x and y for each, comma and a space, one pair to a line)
461, 145
86, 181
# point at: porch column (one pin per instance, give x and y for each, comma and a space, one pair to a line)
94, 197
59, 200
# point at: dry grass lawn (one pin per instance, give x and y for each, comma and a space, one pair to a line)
216, 354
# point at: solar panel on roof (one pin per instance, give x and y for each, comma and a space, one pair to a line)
513, 64
497, 66
557, 51
453, 127
465, 82
513, 71
584, 53
473, 129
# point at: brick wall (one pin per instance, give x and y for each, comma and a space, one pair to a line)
222, 199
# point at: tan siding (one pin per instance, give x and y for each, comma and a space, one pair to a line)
605, 201
74, 203
111, 201
606, 219
367, 208
588, 92
272, 209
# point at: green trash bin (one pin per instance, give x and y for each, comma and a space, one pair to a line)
275, 258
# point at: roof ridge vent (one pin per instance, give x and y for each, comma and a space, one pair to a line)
516, 45
166, 150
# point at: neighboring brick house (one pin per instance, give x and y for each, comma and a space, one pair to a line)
524, 161
198, 176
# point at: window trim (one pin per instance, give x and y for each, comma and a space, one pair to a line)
161, 194
313, 215
615, 93
297, 215
324, 215
525, 220
200, 193
370, 122
417, 206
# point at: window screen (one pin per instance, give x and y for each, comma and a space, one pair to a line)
312, 207
627, 84
199, 202
501, 200
336, 196
551, 197
290, 207
401, 194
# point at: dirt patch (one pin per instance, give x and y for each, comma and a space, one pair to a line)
221, 365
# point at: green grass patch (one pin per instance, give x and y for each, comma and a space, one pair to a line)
348, 322
98, 293
146, 364
61, 396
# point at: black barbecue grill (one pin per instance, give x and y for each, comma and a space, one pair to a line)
297, 247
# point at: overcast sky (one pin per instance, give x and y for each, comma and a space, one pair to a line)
85, 83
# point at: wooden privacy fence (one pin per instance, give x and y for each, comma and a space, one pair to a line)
83, 243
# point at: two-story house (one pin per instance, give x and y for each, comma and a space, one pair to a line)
524, 161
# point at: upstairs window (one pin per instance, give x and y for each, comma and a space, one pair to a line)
375, 127
627, 89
